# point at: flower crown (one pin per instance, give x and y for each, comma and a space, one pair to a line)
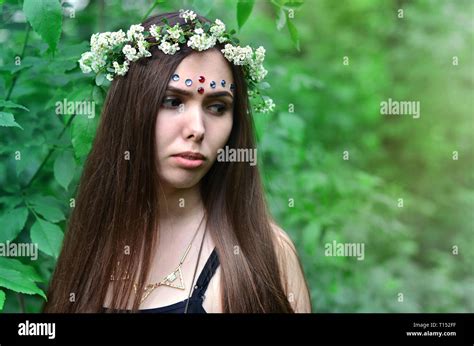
112, 52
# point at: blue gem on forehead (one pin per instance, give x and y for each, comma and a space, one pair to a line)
213, 85
232, 87
188, 82
175, 77
223, 83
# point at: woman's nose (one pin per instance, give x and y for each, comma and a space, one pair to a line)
194, 127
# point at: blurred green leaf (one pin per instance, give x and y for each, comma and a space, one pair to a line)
64, 168
10, 104
100, 79
8, 120
281, 19
203, 7
45, 17
83, 132
295, 37
2, 299
244, 9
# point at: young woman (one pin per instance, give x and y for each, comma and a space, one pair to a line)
161, 224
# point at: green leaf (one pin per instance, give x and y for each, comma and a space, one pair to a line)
45, 17
295, 37
18, 282
50, 213
14, 264
98, 95
2, 299
10, 104
83, 132
11, 201
281, 19
64, 168
203, 7
294, 3
8, 120
99, 79
293, 126
244, 9
48, 236
12, 222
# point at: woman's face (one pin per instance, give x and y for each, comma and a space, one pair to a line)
194, 117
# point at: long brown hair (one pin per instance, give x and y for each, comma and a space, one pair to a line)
117, 205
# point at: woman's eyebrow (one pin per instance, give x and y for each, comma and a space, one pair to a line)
190, 93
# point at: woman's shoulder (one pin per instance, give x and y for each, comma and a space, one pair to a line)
293, 277
283, 239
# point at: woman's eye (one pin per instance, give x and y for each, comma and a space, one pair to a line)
171, 102
219, 108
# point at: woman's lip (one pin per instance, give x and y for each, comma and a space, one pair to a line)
191, 155
187, 163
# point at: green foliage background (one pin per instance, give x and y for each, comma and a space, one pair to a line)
324, 108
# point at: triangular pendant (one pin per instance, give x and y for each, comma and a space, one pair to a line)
175, 279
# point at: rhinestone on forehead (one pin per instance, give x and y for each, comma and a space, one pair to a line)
201, 79
201, 90
175, 77
213, 85
188, 82
223, 83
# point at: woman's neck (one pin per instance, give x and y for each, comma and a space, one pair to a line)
179, 207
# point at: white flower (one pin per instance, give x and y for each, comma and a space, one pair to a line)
100, 43
85, 62
135, 46
155, 31
217, 29
117, 37
269, 105
168, 48
135, 32
98, 62
142, 49
263, 106
130, 53
201, 42
237, 55
121, 70
259, 55
258, 73
188, 14
175, 32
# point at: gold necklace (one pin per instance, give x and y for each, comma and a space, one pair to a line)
169, 279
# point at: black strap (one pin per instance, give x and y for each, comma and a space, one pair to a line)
206, 275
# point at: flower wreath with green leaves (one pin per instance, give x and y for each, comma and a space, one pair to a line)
112, 52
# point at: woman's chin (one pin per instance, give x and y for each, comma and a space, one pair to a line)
182, 181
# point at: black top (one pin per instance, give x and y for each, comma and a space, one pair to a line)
197, 298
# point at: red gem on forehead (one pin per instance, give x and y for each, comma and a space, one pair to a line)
201, 90
202, 79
